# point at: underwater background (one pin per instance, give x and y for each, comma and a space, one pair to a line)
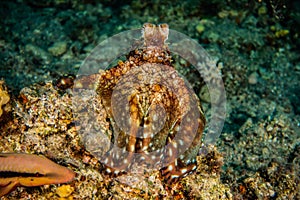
256, 45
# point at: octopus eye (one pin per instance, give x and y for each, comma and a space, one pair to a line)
148, 25
164, 26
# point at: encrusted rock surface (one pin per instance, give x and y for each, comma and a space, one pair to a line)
256, 46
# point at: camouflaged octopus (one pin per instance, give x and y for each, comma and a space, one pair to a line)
152, 111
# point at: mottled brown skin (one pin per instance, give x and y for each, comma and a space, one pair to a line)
146, 111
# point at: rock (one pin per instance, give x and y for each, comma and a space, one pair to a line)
210, 96
64, 191
253, 78
38, 52
200, 28
4, 98
204, 94
262, 10
58, 48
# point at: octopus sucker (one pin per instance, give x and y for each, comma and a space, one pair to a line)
154, 115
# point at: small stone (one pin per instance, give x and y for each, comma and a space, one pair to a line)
204, 94
38, 52
64, 191
86, 159
233, 13
58, 48
211, 95
281, 33
223, 14
88, 48
4, 96
262, 10
200, 28
281, 123
228, 13
269, 128
213, 37
253, 78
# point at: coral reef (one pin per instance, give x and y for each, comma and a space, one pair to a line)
255, 43
46, 127
4, 99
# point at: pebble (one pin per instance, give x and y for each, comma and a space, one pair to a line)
4, 96
64, 191
211, 95
58, 48
204, 94
200, 28
38, 52
253, 78
213, 37
262, 10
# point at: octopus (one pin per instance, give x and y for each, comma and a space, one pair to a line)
153, 113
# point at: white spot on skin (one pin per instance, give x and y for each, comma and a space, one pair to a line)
183, 171
170, 152
141, 144
144, 148
115, 156
169, 140
153, 157
155, 117
170, 167
180, 142
105, 161
131, 148
153, 127
174, 176
174, 144
108, 170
